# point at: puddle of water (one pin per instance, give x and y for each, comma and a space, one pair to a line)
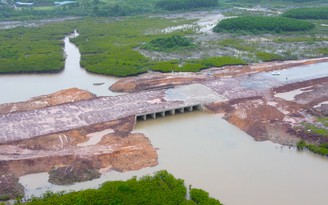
211, 154
290, 95
19, 87
95, 137
322, 103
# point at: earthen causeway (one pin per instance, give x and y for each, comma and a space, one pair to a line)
210, 89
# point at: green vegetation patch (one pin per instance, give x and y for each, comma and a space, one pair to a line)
173, 5
315, 129
258, 24
265, 56
307, 13
162, 188
237, 44
29, 50
108, 47
196, 65
172, 43
323, 120
321, 149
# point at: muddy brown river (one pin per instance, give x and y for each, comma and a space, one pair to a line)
201, 148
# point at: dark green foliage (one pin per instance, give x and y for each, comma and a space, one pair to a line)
196, 65
81, 8
300, 145
171, 43
307, 13
29, 50
259, 24
201, 197
172, 5
162, 188
321, 149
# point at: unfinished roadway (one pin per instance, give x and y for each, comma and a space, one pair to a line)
23, 125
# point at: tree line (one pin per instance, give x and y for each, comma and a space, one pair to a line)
172, 5
257, 24
162, 188
308, 13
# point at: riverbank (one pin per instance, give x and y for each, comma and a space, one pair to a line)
253, 101
261, 112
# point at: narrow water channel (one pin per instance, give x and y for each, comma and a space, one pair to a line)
19, 87
212, 154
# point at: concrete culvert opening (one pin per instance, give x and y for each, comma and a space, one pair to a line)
174, 111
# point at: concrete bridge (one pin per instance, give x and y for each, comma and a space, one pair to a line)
172, 111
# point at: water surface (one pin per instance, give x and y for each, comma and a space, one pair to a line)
20, 87
211, 154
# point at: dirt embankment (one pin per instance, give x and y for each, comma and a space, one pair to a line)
262, 115
154, 81
75, 155
277, 119
57, 98
161, 81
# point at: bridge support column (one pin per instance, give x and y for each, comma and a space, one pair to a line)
172, 112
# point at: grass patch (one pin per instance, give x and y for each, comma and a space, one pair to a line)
162, 188
260, 24
265, 56
316, 130
322, 51
299, 39
196, 65
237, 44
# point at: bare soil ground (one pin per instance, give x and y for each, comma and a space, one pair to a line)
73, 155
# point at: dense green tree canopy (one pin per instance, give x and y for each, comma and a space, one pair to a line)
162, 188
171, 43
172, 5
262, 23
308, 13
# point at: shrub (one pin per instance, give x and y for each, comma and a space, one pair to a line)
201, 197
